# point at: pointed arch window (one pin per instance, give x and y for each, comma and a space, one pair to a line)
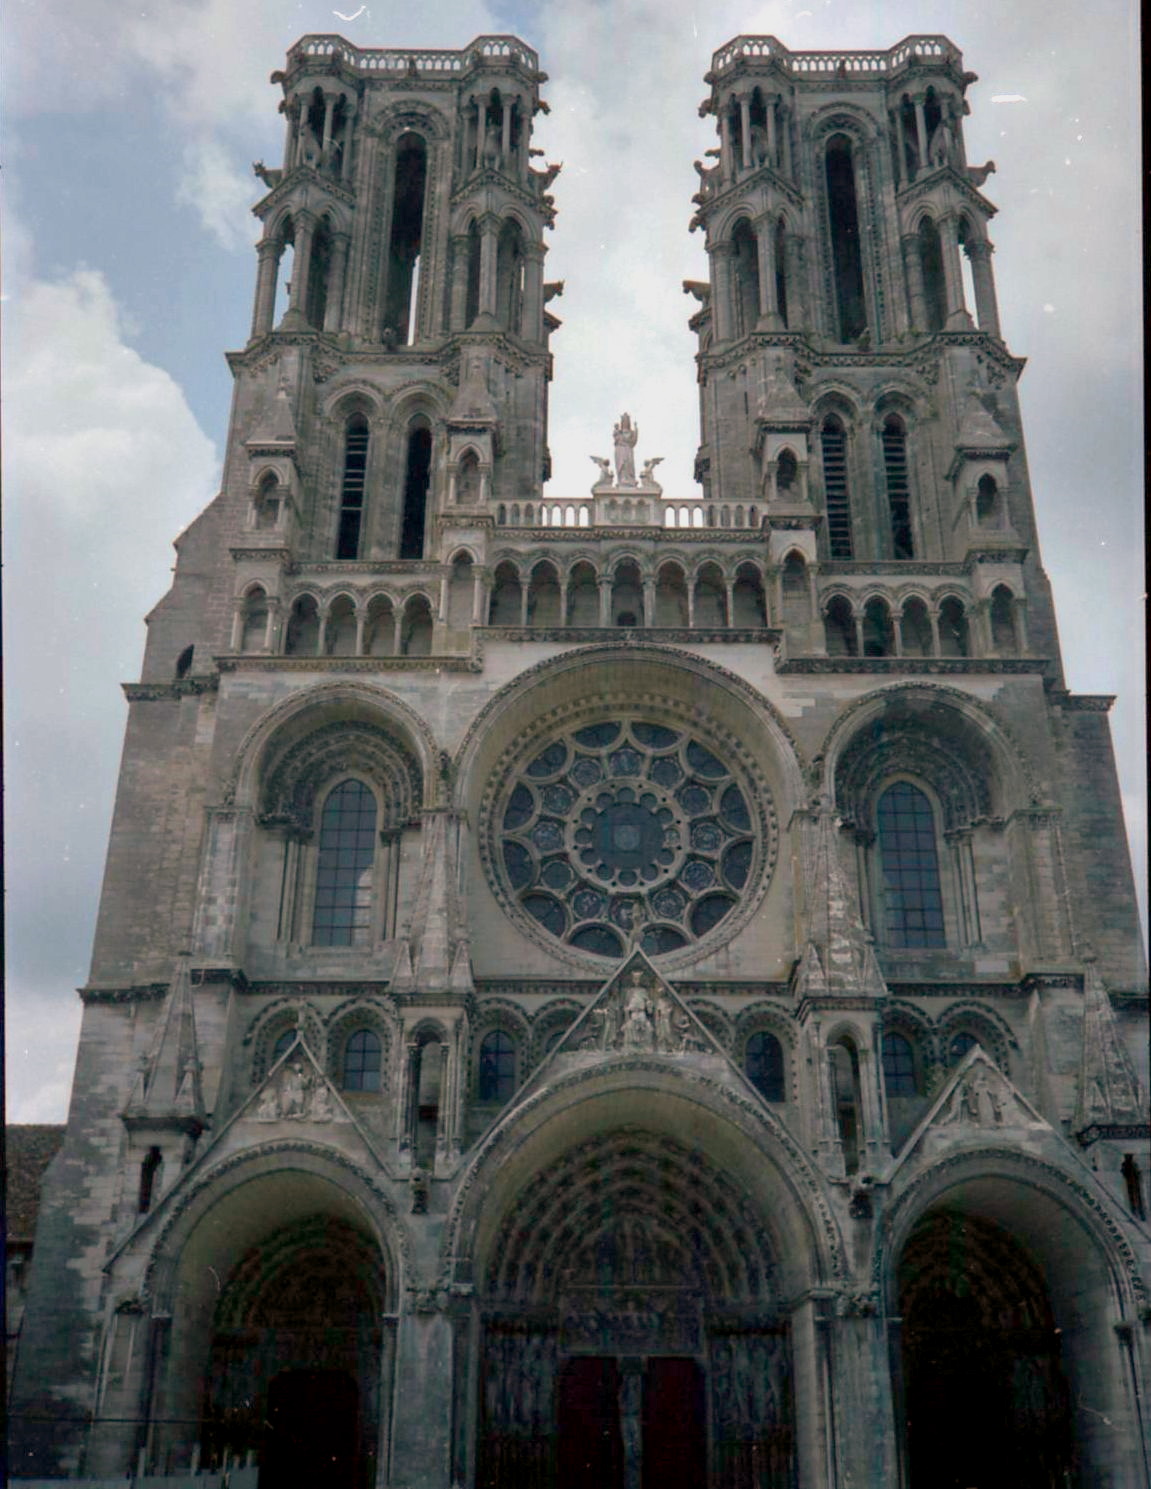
894, 440
417, 480
497, 1067
763, 1065
406, 238
342, 914
899, 1078
909, 864
362, 1060
352, 487
846, 252
833, 445
284, 1042
931, 270
745, 277
150, 1172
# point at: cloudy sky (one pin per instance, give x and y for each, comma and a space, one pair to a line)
131, 128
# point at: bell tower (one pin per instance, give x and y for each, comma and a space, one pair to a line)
398, 333
852, 373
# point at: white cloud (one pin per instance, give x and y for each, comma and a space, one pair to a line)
218, 192
104, 465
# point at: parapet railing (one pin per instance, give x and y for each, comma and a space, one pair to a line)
837, 64
635, 512
403, 60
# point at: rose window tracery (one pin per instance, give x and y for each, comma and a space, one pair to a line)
626, 830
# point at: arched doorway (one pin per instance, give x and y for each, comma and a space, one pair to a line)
631, 1332
295, 1358
985, 1400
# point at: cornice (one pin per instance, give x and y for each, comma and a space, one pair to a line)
337, 665
924, 185
158, 692
916, 666
582, 635
1083, 702
148, 992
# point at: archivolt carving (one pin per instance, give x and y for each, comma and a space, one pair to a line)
968, 720
353, 701
159, 1275
292, 785
1029, 1172
661, 1213
758, 1123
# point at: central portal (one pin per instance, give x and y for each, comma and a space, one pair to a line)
631, 1423
630, 1334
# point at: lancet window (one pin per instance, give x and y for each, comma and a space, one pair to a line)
352, 484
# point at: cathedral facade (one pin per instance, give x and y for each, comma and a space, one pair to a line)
618, 989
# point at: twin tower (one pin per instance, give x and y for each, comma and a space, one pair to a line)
857, 402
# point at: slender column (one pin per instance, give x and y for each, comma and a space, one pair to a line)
267, 264
444, 1113
725, 150
488, 250
272, 625
771, 138
729, 585
459, 293
531, 313
745, 131
525, 592
765, 249
346, 153
721, 298
913, 269
933, 617
289, 137
896, 127
793, 273
858, 624
506, 134
305, 229
953, 280
921, 135
360, 617
649, 602
329, 113
605, 588
480, 121
979, 251
479, 593
333, 310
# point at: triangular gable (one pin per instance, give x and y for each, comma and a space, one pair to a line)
977, 1101
295, 1091
635, 1012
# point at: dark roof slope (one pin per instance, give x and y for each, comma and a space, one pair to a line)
30, 1149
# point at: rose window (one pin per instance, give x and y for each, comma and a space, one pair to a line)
624, 831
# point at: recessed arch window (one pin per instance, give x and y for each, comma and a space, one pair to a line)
342, 914
846, 249
284, 1042
833, 447
894, 440
909, 863
744, 277
899, 1077
497, 1067
352, 487
406, 238
417, 480
362, 1059
960, 1044
763, 1065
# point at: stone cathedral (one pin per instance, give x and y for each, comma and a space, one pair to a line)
627, 988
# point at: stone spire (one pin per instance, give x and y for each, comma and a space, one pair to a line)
838, 956
1109, 1090
168, 1088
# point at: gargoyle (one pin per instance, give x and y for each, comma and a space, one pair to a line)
977, 174
270, 178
